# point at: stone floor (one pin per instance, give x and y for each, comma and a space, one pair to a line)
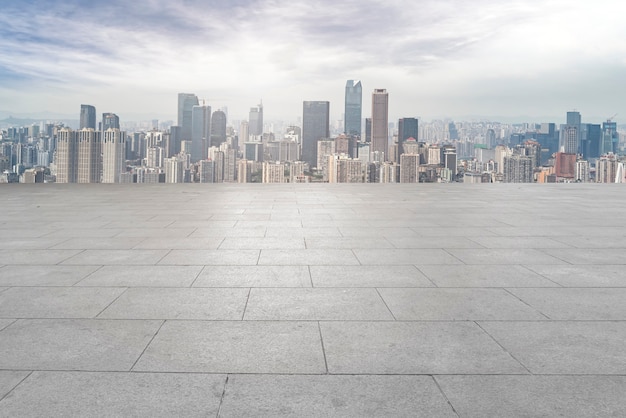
313, 300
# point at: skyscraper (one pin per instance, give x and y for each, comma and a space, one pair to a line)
65, 156
571, 134
218, 128
380, 121
353, 105
255, 122
200, 132
110, 121
186, 102
87, 116
89, 154
113, 149
407, 128
315, 126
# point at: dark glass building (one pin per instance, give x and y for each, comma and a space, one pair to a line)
353, 106
315, 126
87, 116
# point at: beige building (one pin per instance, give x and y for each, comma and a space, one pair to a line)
113, 151
273, 172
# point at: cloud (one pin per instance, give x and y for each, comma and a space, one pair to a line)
440, 52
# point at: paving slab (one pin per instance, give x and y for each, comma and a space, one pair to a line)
347, 243
321, 232
506, 256
74, 344
235, 347
325, 396
5, 323
98, 243
142, 276
37, 275
368, 276
211, 257
564, 347
522, 242
254, 276
456, 305
404, 257
215, 232
8, 381
484, 276
420, 242
269, 243
316, 304
115, 394
156, 232
56, 302
33, 243
42, 257
535, 396
307, 257
413, 348
116, 257
577, 304
590, 255
584, 276
168, 303
173, 243
602, 241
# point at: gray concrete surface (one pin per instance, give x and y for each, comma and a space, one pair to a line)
313, 300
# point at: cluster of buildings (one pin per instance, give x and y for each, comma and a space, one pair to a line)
203, 146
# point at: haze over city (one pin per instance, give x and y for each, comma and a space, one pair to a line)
525, 60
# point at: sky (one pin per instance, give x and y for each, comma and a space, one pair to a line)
531, 60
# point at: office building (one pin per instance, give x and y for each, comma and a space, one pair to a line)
255, 121
565, 166
380, 122
407, 128
87, 116
218, 128
65, 156
88, 153
110, 121
315, 126
353, 106
200, 132
409, 168
113, 150
186, 102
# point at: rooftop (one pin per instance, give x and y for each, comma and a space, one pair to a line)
313, 300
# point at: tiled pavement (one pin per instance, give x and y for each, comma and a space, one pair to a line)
313, 300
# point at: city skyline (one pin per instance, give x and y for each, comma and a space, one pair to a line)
449, 59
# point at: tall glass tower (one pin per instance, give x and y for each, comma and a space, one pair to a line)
315, 126
87, 116
186, 102
353, 106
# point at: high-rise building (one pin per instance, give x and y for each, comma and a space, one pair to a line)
255, 120
353, 106
87, 116
380, 121
565, 165
273, 172
186, 102
409, 168
88, 153
110, 121
607, 169
315, 126
571, 134
518, 169
200, 132
113, 151
218, 128
582, 171
407, 128
65, 156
